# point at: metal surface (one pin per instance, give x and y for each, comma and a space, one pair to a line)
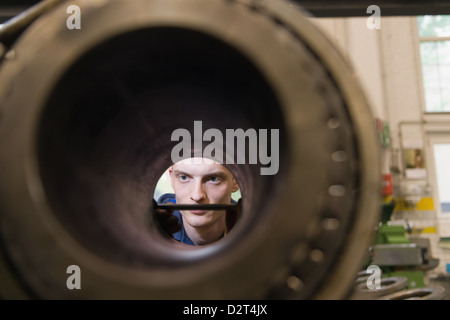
86, 118
429, 293
388, 285
407, 254
13, 27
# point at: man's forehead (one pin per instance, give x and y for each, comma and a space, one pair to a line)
199, 161
200, 166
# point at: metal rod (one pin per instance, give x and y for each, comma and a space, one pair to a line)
13, 27
197, 206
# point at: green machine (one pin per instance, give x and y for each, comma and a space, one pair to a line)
397, 253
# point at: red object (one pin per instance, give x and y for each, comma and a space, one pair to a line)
388, 188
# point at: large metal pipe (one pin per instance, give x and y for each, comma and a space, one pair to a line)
86, 118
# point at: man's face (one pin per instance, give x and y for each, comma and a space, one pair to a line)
202, 182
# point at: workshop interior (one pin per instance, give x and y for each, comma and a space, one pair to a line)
358, 207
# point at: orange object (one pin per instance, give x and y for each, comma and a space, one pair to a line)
388, 188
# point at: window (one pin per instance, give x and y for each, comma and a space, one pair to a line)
434, 35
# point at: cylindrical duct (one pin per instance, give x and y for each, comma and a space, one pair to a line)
86, 117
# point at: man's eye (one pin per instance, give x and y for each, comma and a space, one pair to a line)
183, 178
214, 179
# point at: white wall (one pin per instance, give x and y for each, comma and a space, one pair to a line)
361, 46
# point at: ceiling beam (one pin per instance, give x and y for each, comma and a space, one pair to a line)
318, 8
351, 8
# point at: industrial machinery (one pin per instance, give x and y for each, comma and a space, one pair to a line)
86, 117
401, 261
399, 254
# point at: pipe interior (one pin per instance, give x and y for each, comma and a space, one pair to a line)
104, 138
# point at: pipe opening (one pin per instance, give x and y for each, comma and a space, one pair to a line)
104, 139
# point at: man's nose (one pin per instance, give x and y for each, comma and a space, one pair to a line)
197, 191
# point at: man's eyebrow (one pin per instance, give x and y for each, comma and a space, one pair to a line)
210, 174
216, 173
180, 172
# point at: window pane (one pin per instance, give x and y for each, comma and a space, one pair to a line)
445, 98
444, 75
443, 52
428, 52
434, 26
442, 160
431, 79
435, 57
433, 100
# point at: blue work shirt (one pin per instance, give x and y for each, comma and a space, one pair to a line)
181, 235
